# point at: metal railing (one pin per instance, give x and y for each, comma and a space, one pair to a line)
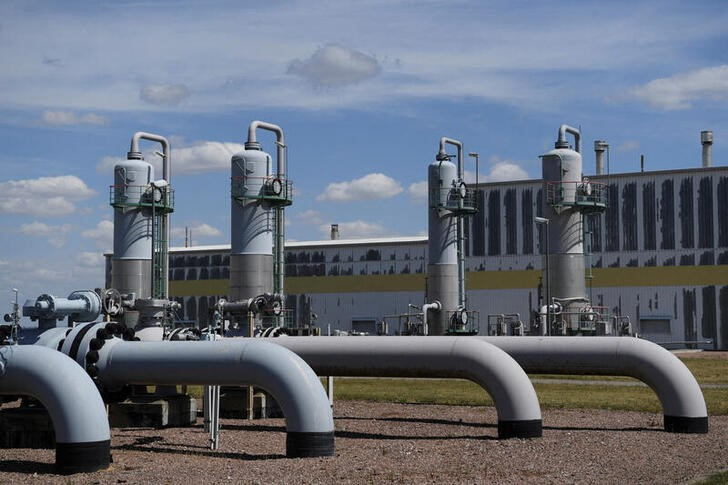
587, 195
459, 200
277, 191
125, 196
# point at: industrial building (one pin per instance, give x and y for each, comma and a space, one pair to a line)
658, 254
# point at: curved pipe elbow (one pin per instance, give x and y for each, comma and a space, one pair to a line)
71, 398
442, 155
166, 150
679, 393
561, 141
232, 362
280, 142
519, 414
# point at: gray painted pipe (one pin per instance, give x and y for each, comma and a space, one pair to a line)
279, 211
239, 362
679, 393
166, 174
71, 398
561, 141
441, 155
519, 414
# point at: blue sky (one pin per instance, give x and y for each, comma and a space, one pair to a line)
363, 91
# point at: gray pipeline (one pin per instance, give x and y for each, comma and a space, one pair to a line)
519, 414
71, 398
230, 362
679, 393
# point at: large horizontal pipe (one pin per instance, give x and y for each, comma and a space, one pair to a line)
238, 362
519, 414
71, 398
679, 393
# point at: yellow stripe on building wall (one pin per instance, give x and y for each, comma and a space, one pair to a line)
477, 280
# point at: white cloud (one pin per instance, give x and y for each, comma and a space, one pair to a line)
103, 233
356, 229
44, 196
681, 90
334, 65
372, 186
418, 190
198, 230
69, 118
40, 229
164, 94
55, 234
88, 259
502, 171
307, 217
201, 156
628, 146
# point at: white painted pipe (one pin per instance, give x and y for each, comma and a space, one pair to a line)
679, 393
519, 414
230, 362
71, 398
434, 306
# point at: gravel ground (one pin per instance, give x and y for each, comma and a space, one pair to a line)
383, 442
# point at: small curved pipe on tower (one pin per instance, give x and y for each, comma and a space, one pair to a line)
166, 175
519, 414
679, 393
442, 155
166, 151
562, 143
435, 306
280, 174
230, 362
71, 398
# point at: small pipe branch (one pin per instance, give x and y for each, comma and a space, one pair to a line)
441, 155
562, 143
280, 143
166, 151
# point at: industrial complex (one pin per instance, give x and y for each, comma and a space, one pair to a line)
655, 256
554, 276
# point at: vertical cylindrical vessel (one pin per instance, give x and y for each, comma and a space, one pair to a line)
442, 268
251, 232
132, 259
600, 146
706, 139
562, 173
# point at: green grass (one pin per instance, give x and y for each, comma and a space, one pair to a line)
551, 396
720, 478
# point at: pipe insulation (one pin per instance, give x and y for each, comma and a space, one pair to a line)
232, 362
78, 413
679, 393
519, 414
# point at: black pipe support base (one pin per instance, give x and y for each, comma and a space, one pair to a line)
520, 429
682, 424
306, 445
82, 457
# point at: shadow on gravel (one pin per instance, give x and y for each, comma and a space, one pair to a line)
252, 427
607, 430
422, 420
29, 467
378, 436
184, 449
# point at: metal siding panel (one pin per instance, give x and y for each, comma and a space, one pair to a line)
494, 223
527, 220
611, 218
649, 215
629, 216
709, 321
511, 221
687, 226
705, 213
667, 215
